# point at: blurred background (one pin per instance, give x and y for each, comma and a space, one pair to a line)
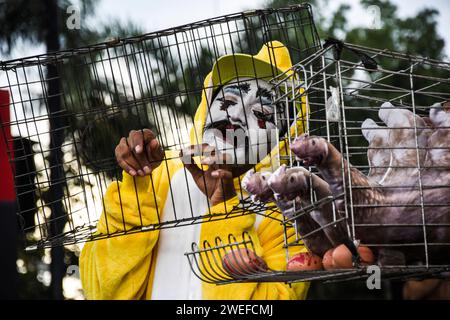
28, 27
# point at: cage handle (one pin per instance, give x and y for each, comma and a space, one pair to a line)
367, 61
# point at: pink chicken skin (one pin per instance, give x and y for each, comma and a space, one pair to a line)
394, 206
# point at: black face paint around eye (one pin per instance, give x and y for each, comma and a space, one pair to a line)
264, 93
264, 116
241, 87
226, 103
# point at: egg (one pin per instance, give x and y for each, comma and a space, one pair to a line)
243, 262
366, 255
304, 261
342, 257
327, 260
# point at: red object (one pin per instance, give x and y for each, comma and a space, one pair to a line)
243, 262
304, 261
7, 192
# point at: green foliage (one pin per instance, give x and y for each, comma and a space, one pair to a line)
178, 82
398, 34
27, 21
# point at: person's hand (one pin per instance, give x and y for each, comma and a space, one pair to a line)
216, 182
140, 153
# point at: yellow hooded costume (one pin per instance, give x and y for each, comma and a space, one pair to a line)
137, 266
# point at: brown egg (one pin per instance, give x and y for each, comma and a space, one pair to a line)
243, 262
342, 257
304, 261
367, 257
327, 260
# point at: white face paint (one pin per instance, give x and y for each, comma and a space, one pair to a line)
243, 110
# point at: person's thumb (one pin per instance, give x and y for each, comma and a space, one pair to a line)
187, 157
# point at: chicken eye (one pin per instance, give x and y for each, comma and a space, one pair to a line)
292, 179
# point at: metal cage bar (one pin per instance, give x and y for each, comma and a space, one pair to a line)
416, 92
154, 81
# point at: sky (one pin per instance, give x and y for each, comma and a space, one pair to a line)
154, 15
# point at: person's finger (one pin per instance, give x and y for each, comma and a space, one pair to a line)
128, 159
136, 141
142, 161
154, 158
208, 160
189, 163
139, 139
122, 152
156, 150
121, 148
208, 150
129, 165
154, 144
191, 151
221, 174
148, 135
217, 160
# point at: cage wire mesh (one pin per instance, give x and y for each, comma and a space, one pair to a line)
70, 108
383, 181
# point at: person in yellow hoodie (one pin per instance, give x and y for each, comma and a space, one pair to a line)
160, 186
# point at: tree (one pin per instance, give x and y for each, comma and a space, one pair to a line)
43, 23
397, 34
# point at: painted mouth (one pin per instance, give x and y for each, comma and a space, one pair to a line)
224, 127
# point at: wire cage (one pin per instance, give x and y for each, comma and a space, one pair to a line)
373, 169
69, 109
207, 263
